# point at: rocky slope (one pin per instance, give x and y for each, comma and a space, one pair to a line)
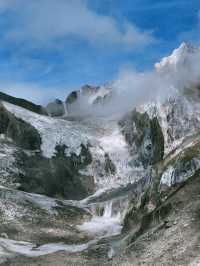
118, 190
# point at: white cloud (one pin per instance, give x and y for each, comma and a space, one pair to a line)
51, 19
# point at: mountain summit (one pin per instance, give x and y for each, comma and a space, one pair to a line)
179, 57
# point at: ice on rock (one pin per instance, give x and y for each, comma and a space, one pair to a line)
52, 131
113, 143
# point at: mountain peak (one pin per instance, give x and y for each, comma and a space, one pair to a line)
178, 57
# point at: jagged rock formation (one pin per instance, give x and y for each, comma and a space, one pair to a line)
82, 101
72, 97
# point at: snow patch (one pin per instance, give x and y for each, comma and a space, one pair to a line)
31, 250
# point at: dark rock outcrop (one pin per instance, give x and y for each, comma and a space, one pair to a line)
72, 97
58, 176
23, 134
144, 135
83, 94
23, 103
109, 167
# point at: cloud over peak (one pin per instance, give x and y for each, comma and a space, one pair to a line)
50, 19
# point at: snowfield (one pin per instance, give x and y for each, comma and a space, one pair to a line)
104, 137
52, 131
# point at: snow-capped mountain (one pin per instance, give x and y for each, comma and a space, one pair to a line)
181, 67
180, 57
77, 183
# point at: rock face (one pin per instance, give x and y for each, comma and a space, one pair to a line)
72, 97
161, 207
58, 176
22, 133
145, 136
110, 168
23, 103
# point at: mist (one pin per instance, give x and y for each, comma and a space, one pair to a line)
131, 88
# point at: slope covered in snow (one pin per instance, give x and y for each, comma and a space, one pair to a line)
107, 144
52, 131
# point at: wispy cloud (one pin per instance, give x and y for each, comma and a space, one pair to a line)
50, 19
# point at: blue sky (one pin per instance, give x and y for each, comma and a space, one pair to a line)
49, 47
